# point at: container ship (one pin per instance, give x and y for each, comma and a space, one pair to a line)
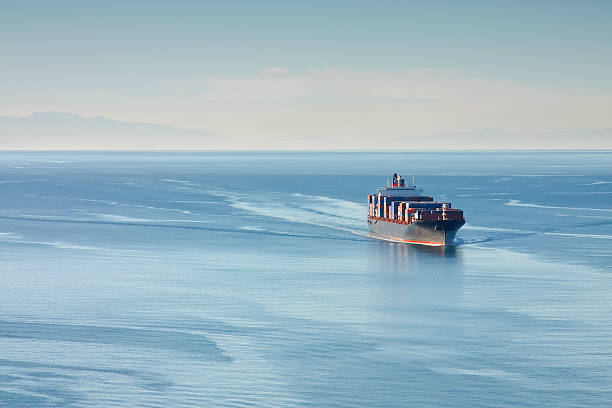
399, 211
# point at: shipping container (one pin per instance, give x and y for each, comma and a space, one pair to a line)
425, 205
385, 207
395, 209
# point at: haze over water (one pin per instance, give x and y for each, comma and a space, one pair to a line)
249, 279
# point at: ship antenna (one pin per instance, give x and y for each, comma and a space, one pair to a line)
387, 181
413, 180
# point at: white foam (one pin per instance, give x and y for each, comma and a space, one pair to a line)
486, 194
517, 203
321, 211
64, 245
47, 217
576, 235
95, 201
595, 236
148, 207
480, 228
193, 201
121, 218
472, 372
16, 239
184, 182
598, 182
19, 181
247, 228
188, 221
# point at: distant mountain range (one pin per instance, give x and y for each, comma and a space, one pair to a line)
491, 139
66, 131
53, 130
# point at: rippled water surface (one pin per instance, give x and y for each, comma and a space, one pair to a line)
249, 279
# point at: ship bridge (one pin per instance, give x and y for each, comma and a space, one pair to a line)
399, 188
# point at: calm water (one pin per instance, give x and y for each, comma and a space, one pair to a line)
218, 279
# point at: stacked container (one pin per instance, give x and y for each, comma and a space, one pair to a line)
396, 211
371, 205
385, 207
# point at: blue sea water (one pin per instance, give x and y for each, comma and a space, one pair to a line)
249, 280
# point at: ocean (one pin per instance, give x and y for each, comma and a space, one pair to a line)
218, 279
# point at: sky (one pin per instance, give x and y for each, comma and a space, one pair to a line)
315, 74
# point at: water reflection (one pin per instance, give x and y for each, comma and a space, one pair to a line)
401, 257
415, 275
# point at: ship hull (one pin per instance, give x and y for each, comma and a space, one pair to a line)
439, 233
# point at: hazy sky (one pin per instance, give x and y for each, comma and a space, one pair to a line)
293, 74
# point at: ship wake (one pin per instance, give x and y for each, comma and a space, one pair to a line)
321, 211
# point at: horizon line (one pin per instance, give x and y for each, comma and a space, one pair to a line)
307, 150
